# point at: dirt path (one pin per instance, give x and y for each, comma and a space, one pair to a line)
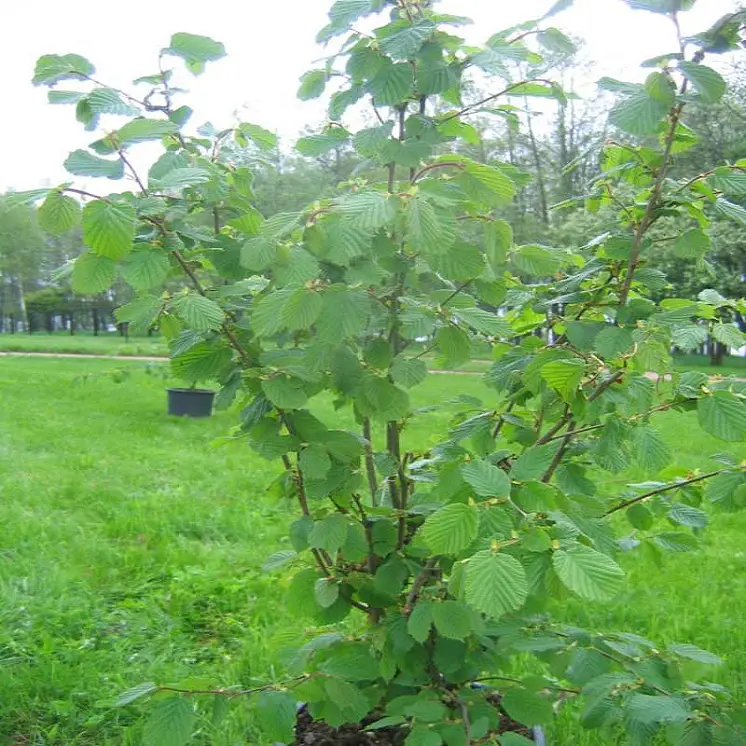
86, 356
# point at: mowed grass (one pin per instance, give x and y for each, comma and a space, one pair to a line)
84, 344
131, 545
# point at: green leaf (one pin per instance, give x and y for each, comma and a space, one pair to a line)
51, 68
316, 145
692, 244
728, 181
195, 50
639, 114
709, 83
345, 313
145, 269
108, 101
613, 342
329, 534
368, 209
649, 709
141, 312
661, 6
453, 343
170, 722
590, 574
533, 463
266, 319
83, 163
109, 228
564, 376
312, 84
279, 559
536, 261
676, 542
302, 309
261, 137
495, 583
527, 707
420, 620
314, 462
276, 713
421, 735
326, 592
403, 39
452, 620
384, 400
142, 130
284, 392
493, 180
729, 335
392, 84
486, 479
198, 312
486, 322
730, 210
651, 451
181, 178
686, 515
135, 693
451, 529
689, 337
58, 213
555, 41
693, 653
201, 361
723, 415
407, 371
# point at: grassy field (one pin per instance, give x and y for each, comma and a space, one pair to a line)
131, 546
104, 344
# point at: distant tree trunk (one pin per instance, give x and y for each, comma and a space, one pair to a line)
717, 352
95, 322
12, 323
540, 181
22, 306
72, 324
123, 330
741, 321
50, 322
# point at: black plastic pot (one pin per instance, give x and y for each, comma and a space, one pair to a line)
190, 402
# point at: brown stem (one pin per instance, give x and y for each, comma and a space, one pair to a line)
468, 109
370, 464
433, 166
234, 692
649, 218
418, 584
83, 193
607, 384
661, 490
126, 162
563, 420
557, 460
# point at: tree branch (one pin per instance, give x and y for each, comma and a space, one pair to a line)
370, 464
661, 490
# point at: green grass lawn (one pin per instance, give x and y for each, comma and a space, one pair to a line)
131, 545
103, 344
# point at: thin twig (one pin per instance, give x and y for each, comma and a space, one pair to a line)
468, 109
418, 585
661, 490
370, 464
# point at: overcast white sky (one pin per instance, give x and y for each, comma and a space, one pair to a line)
270, 44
